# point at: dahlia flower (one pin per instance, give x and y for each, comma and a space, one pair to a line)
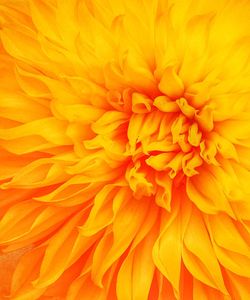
125, 149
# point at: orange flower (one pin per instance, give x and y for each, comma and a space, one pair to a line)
125, 148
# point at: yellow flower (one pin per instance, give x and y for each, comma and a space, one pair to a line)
125, 148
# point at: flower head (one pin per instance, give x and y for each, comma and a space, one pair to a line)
124, 148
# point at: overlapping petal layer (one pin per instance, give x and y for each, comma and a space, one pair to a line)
124, 148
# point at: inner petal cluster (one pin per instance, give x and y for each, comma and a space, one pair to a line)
168, 137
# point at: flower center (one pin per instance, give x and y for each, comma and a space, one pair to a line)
164, 138
169, 139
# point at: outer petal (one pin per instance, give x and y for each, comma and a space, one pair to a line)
230, 243
207, 193
118, 237
136, 272
203, 292
167, 249
26, 271
64, 248
199, 257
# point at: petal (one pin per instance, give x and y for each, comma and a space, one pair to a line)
171, 84
238, 286
50, 129
136, 273
106, 205
18, 219
35, 223
207, 193
21, 108
60, 287
43, 16
168, 249
225, 241
118, 238
200, 258
77, 190
141, 104
64, 248
26, 271
169, 246
109, 122
84, 287
203, 292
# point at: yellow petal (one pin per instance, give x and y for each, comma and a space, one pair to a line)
109, 122
204, 292
43, 16
65, 247
194, 136
165, 104
50, 129
125, 227
239, 286
207, 193
229, 236
199, 258
171, 84
231, 257
84, 287
186, 109
106, 205
136, 273
164, 196
26, 271
168, 248
141, 104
